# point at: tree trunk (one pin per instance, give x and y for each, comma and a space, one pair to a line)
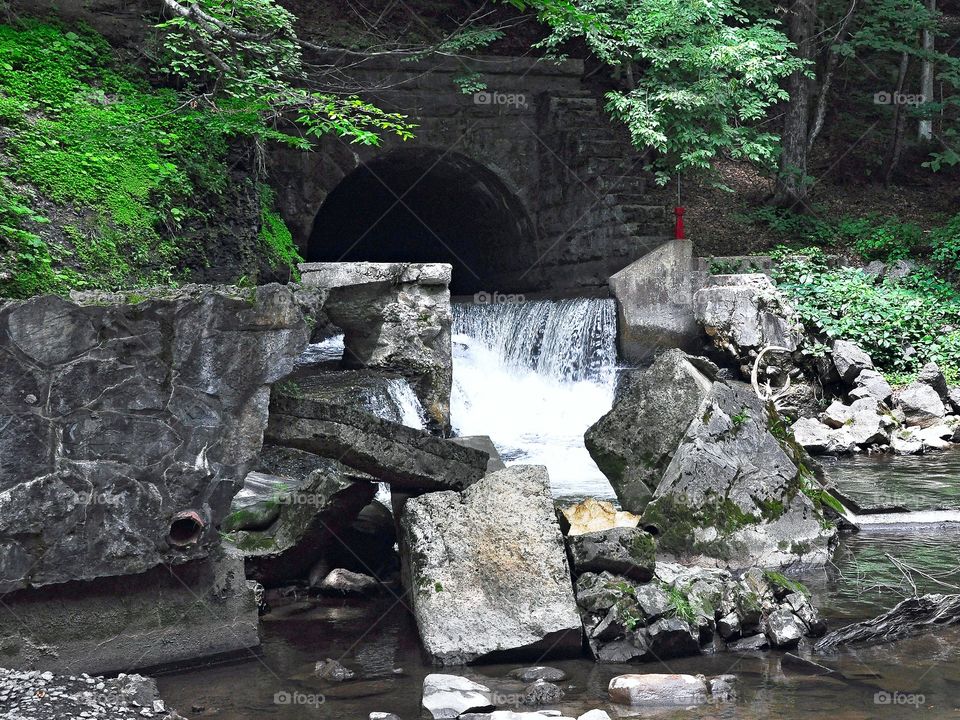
791, 187
829, 71
910, 617
926, 75
899, 121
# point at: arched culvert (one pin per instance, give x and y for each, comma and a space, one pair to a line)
427, 205
186, 528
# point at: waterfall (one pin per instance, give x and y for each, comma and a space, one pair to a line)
534, 376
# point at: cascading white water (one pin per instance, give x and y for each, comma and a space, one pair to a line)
534, 376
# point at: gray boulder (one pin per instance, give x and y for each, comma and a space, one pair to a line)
394, 316
345, 582
870, 383
128, 423
954, 398
673, 637
866, 425
538, 672
850, 360
906, 442
483, 443
744, 313
487, 572
630, 552
733, 490
404, 457
930, 374
542, 692
784, 630
921, 405
633, 444
819, 439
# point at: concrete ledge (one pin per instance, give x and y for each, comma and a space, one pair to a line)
341, 274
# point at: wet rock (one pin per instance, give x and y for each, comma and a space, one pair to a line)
730, 491
921, 405
935, 437
930, 374
151, 408
783, 629
673, 637
394, 316
653, 601
333, 670
627, 649
590, 516
597, 592
633, 443
344, 582
954, 396
803, 609
594, 715
630, 552
754, 642
257, 505
406, 458
487, 571
850, 360
450, 696
538, 672
309, 523
658, 689
542, 692
836, 415
383, 716
722, 688
729, 627
870, 383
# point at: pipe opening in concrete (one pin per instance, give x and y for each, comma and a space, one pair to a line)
652, 529
427, 205
186, 528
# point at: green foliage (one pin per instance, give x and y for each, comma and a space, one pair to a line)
680, 605
704, 73
779, 580
945, 245
243, 57
901, 324
275, 236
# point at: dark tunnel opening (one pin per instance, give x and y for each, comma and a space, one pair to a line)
424, 205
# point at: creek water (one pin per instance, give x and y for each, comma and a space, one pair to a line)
550, 367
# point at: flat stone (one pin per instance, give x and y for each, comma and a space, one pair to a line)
404, 457
592, 515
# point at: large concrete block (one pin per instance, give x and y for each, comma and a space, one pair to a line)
654, 302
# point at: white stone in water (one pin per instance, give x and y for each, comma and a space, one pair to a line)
449, 696
658, 689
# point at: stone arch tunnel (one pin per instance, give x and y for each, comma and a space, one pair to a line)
543, 193
427, 205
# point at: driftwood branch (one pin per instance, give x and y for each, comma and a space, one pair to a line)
912, 616
768, 394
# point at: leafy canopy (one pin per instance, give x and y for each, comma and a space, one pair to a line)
244, 57
704, 73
